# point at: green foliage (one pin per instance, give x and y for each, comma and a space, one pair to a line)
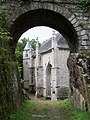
1, 1
65, 102
49, 110
6, 66
83, 56
19, 50
84, 4
4, 38
19, 55
68, 113
33, 43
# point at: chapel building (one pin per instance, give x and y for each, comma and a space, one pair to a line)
45, 69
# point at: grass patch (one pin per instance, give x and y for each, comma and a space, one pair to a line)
65, 102
25, 112
31, 110
69, 113
28, 109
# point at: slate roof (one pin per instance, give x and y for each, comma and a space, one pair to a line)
28, 46
47, 45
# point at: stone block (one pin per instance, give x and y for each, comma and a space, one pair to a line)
78, 28
83, 32
63, 92
84, 37
76, 24
71, 17
26, 85
74, 21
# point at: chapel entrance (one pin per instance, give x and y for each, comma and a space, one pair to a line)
48, 81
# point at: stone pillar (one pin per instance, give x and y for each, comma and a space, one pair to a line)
53, 84
54, 70
37, 54
37, 66
44, 82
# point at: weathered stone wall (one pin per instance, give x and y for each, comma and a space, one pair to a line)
79, 19
26, 73
46, 58
10, 85
11, 95
79, 83
39, 82
63, 74
32, 82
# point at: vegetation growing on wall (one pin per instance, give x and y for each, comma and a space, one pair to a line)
83, 56
6, 85
84, 4
19, 55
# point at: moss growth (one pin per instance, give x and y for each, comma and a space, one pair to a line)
82, 56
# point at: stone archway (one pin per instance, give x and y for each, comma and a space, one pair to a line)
38, 14
62, 17
48, 81
48, 18
70, 23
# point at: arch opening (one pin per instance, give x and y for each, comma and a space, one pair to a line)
43, 17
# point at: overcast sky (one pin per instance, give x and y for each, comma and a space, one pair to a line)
43, 33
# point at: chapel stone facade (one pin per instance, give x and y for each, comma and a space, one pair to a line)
45, 69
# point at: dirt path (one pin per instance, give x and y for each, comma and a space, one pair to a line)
41, 109
47, 110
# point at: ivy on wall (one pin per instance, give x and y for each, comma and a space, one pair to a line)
6, 66
84, 4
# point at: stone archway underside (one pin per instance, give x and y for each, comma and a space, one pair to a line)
60, 16
48, 18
